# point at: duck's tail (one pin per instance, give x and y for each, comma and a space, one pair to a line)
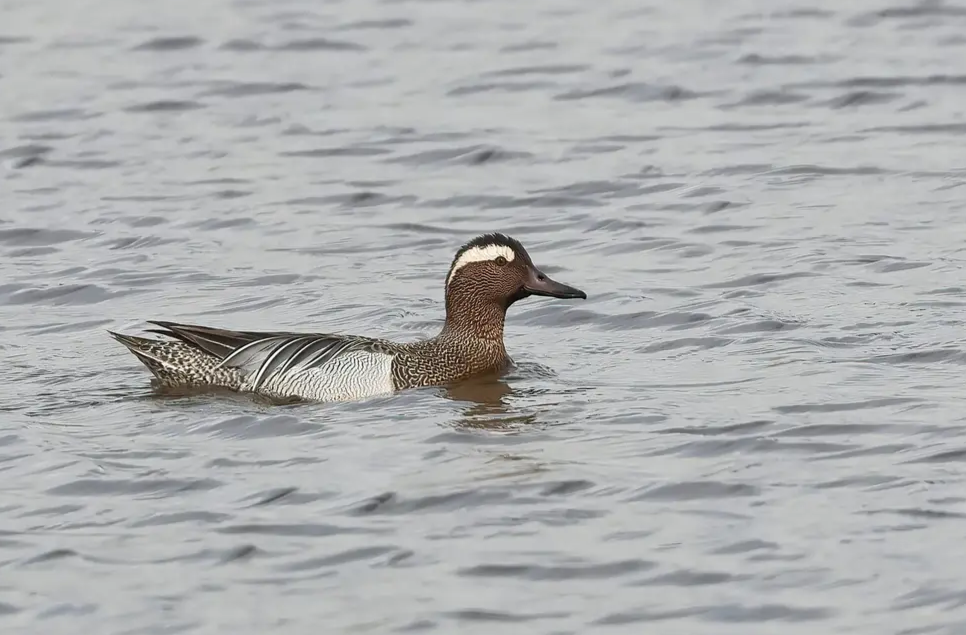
177, 364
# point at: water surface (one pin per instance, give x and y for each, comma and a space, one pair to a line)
754, 424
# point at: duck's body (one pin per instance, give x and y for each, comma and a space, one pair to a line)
314, 366
329, 367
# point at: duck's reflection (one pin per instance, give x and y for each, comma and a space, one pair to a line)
487, 399
488, 404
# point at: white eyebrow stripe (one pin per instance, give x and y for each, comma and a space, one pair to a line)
481, 254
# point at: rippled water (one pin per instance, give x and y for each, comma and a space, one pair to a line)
755, 424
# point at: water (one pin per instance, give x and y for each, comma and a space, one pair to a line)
755, 423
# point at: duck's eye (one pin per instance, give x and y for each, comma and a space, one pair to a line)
500, 261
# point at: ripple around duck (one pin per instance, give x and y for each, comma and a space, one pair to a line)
104, 487
165, 105
536, 573
253, 89
319, 44
632, 91
69, 294
23, 237
174, 43
467, 155
251, 427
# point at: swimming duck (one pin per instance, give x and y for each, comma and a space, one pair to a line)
487, 275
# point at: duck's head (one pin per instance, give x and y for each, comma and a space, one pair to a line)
496, 269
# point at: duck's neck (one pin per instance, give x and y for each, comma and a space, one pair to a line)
482, 322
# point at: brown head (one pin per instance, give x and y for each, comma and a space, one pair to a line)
488, 274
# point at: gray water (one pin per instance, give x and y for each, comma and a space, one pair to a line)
755, 423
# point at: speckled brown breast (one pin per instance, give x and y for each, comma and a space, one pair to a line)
446, 359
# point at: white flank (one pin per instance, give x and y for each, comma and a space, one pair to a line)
353, 375
480, 254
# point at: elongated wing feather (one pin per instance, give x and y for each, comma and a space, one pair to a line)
218, 342
253, 353
277, 360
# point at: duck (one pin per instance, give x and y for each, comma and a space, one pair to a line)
488, 274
